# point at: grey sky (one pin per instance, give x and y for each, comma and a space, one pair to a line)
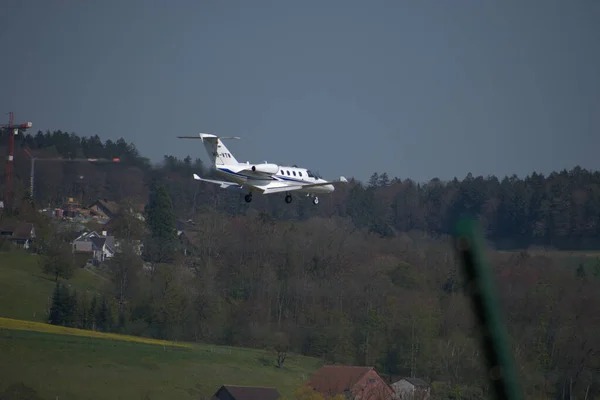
415, 88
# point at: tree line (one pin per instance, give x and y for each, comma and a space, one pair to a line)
78, 310
560, 210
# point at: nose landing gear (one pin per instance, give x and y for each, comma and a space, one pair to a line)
288, 198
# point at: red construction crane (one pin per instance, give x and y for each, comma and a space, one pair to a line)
12, 129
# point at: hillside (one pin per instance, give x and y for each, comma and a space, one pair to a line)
25, 291
74, 367
72, 363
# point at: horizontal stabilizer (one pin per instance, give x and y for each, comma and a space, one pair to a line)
222, 183
203, 136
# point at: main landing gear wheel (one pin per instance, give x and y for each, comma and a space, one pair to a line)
288, 198
248, 197
315, 200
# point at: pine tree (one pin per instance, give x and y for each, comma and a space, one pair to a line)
92, 314
104, 316
160, 218
65, 305
56, 316
82, 320
72, 308
122, 323
384, 180
373, 180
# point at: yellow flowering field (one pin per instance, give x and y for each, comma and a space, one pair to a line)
16, 324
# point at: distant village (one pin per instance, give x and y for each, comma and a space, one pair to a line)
100, 245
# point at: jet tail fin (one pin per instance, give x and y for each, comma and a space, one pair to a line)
217, 151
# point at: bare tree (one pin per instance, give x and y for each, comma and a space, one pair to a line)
281, 346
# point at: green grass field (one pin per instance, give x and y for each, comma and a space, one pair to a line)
25, 291
69, 363
74, 367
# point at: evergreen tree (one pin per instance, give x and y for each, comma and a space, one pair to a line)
384, 180
122, 323
82, 318
161, 244
374, 180
92, 314
72, 308
64, 306
56, 313
104, 316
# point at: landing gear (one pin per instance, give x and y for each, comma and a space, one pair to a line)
248, 197
315, 200
288, 198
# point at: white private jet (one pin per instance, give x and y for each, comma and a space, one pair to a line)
265, 178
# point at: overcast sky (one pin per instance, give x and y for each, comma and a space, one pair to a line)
418, 88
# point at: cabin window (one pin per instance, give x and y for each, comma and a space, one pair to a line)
294, 172
300, 173
282, 172
288, 172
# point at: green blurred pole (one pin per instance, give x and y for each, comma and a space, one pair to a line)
480, 287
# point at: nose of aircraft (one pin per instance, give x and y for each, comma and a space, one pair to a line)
329, 188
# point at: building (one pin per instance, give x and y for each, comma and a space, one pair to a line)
18, 232
187, 232
231, 392
411, 389
136, 245
69, 209
106, 210
355, 383
100, 246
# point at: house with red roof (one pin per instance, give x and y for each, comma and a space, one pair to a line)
354, 382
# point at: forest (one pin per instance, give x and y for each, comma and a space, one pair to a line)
366, 278
560, 210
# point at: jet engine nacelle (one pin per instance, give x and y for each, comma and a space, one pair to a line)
266, 168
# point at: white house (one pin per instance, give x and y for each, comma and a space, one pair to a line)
411, 389
100, 246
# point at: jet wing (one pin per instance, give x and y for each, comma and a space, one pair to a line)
342, 180
223, 184
292, 187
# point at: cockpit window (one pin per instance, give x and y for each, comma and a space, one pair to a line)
313, 174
